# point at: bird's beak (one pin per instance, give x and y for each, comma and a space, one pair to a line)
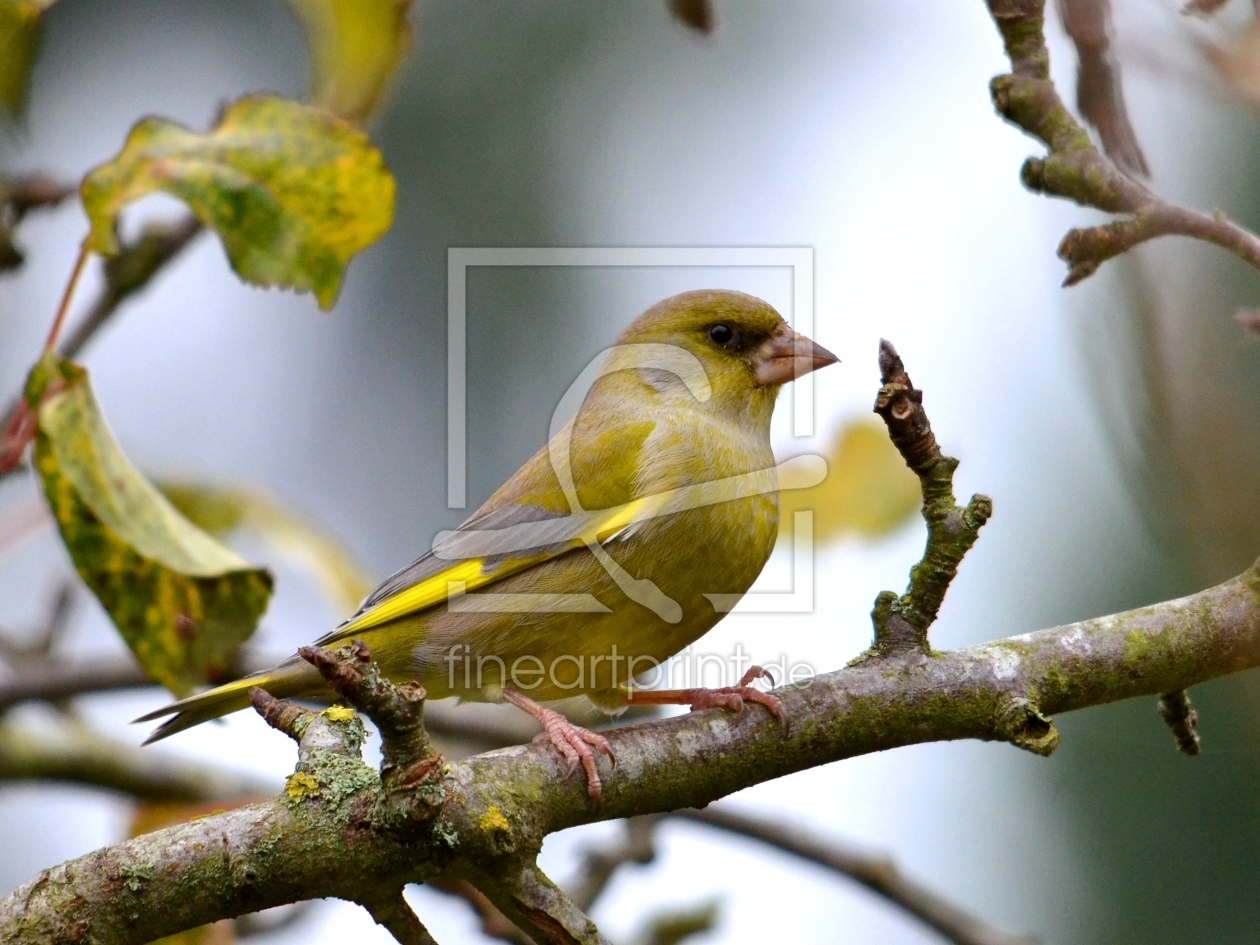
787, 356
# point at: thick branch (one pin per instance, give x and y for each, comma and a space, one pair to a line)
502, 804
877, 874
1075, 169
901, 623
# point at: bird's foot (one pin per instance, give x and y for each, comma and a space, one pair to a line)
727, 697
576, 744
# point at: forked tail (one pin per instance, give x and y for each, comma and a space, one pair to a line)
295, 677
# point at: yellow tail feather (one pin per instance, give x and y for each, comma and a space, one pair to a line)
296, 677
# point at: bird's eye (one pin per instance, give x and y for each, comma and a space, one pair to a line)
721, 334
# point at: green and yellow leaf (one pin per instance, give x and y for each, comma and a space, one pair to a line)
19, 45
221, 511
292, 191
182, 601
355, 47
868, 490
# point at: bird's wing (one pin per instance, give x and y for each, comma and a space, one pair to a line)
525, 523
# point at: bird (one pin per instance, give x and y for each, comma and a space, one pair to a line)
590, 566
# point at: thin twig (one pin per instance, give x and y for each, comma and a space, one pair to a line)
1076, 170
878, 874
1178, 715
411, 767
396, 915
599, 865
540, 908
18, 196
494, 924
70, 752
125, 274
1099, 92
129, 272
901, 623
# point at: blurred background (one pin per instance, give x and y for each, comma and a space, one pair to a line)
1116, 425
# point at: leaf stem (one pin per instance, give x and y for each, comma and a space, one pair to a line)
60, 318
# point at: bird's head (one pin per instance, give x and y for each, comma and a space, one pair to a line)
748, 352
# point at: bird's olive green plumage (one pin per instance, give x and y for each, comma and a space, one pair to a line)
639, 433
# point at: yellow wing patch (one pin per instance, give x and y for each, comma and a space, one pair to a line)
471, 574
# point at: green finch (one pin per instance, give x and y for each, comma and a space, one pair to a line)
594, 562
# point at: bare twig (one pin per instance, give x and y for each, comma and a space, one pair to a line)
1099, 93
877, 874
696, 14
55, 680
1076, 170
125, 274
540, 908
901, 623
600, 864
396, 915
1175, 710
36, 650
18, 196
494, 924
411, 768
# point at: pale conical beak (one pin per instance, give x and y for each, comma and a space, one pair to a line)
787, 356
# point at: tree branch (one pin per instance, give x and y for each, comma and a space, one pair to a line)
502, 804
877, 874
1099, 93
1075, 169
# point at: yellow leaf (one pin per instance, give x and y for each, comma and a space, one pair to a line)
221, 511
355, 47
182, 601
292, 191
868, 490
